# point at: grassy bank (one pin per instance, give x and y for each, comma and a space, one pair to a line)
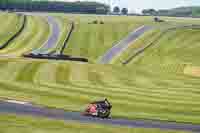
57, 84
154, 85
93, 40
15, 124
10, 25
33, 36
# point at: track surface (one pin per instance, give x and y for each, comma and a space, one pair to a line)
123, 44
53, 38
29, 109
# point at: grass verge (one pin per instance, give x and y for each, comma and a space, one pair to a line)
18, 124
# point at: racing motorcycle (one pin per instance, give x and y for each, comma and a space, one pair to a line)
101, 109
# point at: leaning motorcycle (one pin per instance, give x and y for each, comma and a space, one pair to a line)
101, 109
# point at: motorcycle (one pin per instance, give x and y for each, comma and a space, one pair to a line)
100, 109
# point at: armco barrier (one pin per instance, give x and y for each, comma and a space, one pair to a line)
17, 33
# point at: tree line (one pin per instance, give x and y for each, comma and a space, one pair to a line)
117, 10
176, 12
54, 6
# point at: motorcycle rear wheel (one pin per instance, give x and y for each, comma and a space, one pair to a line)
104, 114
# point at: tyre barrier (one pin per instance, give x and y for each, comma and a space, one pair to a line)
16, 34
55, 57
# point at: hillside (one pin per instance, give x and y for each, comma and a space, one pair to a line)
29, 124
93, 40
190, 11
161, 83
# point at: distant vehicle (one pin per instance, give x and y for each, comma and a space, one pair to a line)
96, 22
101, 109
156, 19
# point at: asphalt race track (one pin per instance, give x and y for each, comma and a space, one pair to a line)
37, 111
123, 44
53, 38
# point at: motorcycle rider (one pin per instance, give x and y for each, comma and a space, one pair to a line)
104, 104
93, 109
99, 108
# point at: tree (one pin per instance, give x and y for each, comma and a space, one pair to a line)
144, 12
149, 12
55, 6
124, 11
101, 10
116, 10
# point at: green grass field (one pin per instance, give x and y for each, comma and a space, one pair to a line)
57, 84
178, 47
64, 26
93, 40
137, 45
154, 85
15, 124
10, 26
172, 64
35, 33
